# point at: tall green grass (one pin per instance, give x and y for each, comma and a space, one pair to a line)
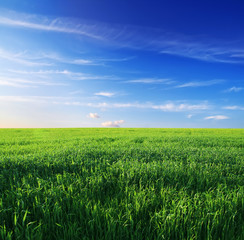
122, 184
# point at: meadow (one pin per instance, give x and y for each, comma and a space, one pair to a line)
122, 184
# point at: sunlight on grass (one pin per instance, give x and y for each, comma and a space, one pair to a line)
121, 184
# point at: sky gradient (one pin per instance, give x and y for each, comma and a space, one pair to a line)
122, 64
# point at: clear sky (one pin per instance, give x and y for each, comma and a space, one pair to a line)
106, 63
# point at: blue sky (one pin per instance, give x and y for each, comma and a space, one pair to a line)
122, 63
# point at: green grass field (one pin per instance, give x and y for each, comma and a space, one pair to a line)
122, 184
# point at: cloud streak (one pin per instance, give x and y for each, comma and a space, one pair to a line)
217, 117
151, 81
32, 99
51, 59
44, 24
43, 59
22, 58
167, 107
134, 37
23, 83
200, 84
104, 94
79, 76
235, 89
171, 107
234, 108
74, 61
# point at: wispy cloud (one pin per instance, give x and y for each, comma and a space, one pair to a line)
54, 57
71, 101
235, 107
93, 115
44, 24
13, 84
32, 99
167, 107
200, 84
151, 81
235, 89
171, 107
93, 61
217, 117
115, 59
238, 55
113, 124
23, 83
22, 58
135, 37
51, 59
76, 92
104, 94
66, 74
43, 59
208, 52
189, 116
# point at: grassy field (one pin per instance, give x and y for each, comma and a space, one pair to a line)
122, 184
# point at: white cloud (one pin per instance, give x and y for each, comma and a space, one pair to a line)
200, 84
79, 76
233, 108
195, 49
239, 55
44, 24
80, 61
42, 59
75, 61
105, 94
167, 107
93, 115
151, 81
51, 58
22, 83
129, 105
4, 82
217, 117
119, 122
76, 92
189, 116
113, 124
22, 58
47, 59
33, 99
171, 107
135, 37
235, 89
21, 99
